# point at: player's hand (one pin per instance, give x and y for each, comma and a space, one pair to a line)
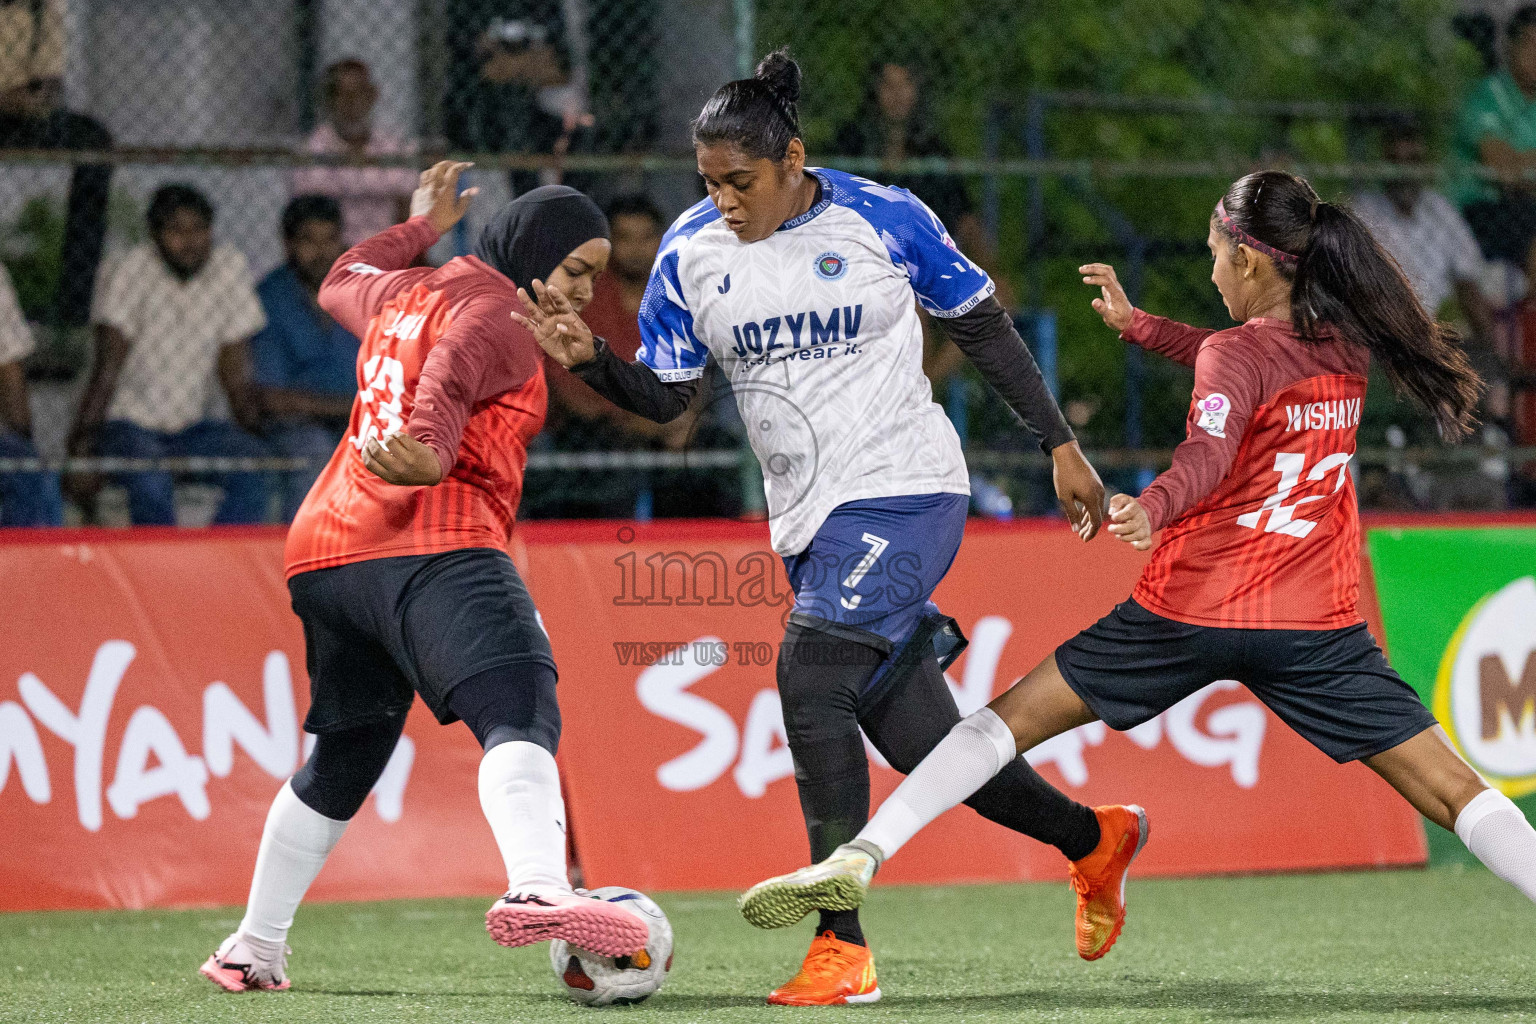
1112, 304
1079, 491
1128, 522
402, 460
556, 325
438, 198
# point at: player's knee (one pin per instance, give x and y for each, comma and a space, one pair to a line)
509, 703
344, 766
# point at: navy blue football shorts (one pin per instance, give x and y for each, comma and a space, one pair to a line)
869, 575
1333, 686
377, 631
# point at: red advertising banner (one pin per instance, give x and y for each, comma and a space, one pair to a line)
151, 690
675, 742
152, 684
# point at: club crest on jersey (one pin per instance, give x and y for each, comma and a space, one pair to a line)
830, 266
1213, 414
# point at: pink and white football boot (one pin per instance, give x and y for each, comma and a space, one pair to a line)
523, 918
247, 965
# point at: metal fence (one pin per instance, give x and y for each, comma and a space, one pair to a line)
1044, 134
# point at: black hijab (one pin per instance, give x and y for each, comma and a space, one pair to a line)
532, 234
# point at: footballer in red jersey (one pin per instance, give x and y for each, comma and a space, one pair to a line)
397, 566
1257, 576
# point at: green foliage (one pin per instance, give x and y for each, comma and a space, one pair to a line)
37, 240
972, 55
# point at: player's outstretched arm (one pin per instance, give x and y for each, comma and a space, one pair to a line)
1176, 341
988, 338
362, 280
437, 196
555, 325
1112, 304
634, 387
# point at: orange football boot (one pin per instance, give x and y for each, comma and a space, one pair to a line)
1099, 878
834, 973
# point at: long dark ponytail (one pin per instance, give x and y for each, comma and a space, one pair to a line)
1343, 282
757, 114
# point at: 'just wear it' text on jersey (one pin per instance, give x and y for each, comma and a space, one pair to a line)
1261, 528
442, 361
816, 328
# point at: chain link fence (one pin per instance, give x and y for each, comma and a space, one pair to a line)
1045, 135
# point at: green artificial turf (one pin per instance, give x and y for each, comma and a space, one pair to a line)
1446, 944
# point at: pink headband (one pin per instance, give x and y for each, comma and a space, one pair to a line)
1247, 239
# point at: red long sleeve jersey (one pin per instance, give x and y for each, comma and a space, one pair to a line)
441, 360
1261, 528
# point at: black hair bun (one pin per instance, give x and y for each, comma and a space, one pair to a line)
779, 72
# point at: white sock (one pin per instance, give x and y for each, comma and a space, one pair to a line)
520, 796
1498, 835
977, 748
294, 844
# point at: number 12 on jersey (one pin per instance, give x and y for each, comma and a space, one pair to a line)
1282, 517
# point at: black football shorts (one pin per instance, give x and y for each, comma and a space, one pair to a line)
1333, 686
378, 630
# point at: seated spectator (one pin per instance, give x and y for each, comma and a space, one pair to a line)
1497, 130
511, 92
304, 362
172, 323
31, 73
26, 499
1425, 234
372, 198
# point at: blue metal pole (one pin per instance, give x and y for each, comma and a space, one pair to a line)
1034, 145
1045, 348
746, 33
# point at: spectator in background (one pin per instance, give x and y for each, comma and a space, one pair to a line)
1430, 240
1497, 130
1425, 234
372, 198
304, 362
31, 79
26, 499
894, 125
518, 97
172, 322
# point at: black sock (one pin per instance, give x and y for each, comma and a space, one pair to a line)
916, 713
844, 924
1018, 798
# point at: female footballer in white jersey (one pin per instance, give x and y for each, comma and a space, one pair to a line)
803, 284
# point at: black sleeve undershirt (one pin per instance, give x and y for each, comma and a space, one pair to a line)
988, 338
985, 334
635, 387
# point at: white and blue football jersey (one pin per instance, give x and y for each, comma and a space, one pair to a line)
816, 328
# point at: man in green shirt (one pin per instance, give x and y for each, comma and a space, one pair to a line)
1497, 130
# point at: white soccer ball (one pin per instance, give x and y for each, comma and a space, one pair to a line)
594, 980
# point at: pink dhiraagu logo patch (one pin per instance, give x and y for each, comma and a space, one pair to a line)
1213, 414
